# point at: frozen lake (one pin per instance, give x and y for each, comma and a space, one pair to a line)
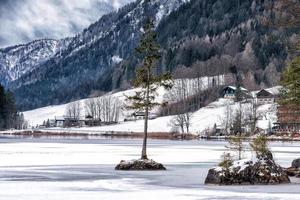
61, 169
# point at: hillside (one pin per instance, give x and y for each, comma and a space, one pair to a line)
203, 119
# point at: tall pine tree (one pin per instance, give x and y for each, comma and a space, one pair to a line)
146, 78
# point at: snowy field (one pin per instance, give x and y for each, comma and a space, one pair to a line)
203, 119
60, 169
38, 116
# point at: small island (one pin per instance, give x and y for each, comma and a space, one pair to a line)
260, 170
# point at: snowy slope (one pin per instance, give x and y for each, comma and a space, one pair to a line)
37, 116
203, 119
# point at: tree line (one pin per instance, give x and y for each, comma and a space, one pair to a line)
9, 116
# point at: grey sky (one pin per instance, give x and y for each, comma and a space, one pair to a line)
24, 20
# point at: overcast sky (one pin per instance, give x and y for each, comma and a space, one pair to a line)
24, 20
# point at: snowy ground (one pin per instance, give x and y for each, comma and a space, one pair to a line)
203, 119
38, 116
60, 169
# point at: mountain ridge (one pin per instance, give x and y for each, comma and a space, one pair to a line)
207, 38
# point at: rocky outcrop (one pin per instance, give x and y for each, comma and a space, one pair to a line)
296, 163
141, 164
294, 170
262, 170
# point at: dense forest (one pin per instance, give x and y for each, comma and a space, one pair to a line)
9, 117
213, 36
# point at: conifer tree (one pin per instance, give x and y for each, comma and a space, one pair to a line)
260, 146
10, 110
291, 83
2, 107
146, 78
236, 145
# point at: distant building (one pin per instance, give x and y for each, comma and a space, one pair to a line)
139, 116
266, 96
229, 92
288, 119
91, 121
68, 122
59, 121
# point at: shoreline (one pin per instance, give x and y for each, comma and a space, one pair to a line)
129, 135
108, 134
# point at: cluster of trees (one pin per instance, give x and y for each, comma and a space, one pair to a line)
188, 96
105, 109
196, 33
236, 145
9, 117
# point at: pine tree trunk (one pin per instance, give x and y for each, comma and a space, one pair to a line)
144, 150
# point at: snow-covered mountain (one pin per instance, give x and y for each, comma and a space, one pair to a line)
18, 60
89, 57
207, 37
28, 20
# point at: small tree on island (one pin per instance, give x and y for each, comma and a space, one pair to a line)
226, 161
260, 146
146, 78
236, 145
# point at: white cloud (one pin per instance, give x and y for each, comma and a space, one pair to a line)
23, 21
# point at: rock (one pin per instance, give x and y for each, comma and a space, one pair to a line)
291, 171
296, 163
268, 156
213, 177
141, 164
294, 170
264, 170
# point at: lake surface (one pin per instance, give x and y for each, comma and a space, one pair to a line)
83, 168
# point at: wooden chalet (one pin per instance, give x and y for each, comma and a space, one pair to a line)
288, 119
266, 96
229, 92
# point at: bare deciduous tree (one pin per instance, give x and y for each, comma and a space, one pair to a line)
91, 108
105, 108
180, 93
73, 110
227, 121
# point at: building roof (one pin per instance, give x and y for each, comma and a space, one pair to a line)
234, 88
274, 90
60, 118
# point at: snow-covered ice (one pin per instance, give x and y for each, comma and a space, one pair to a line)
60, 169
